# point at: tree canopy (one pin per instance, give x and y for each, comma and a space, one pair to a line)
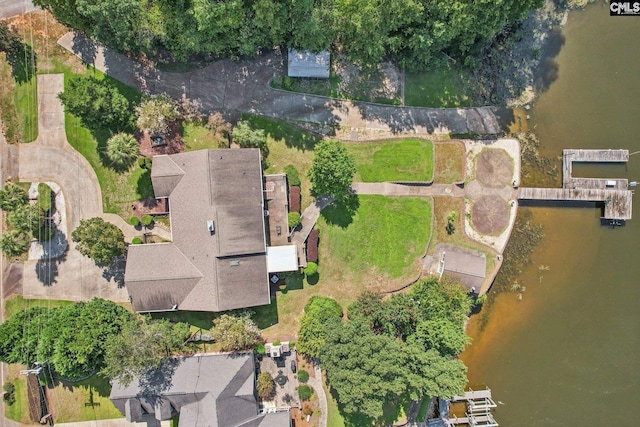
122, 149
71, 338
415, 32
97, 103
155, 115
317, 313
99, 240
144, 344
402, 348
332, 169
235, 332
11, 197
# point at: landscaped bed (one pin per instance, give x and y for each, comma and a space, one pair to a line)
393, 160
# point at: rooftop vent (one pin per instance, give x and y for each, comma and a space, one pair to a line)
211, 226
234, 263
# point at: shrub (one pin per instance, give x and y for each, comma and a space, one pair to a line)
307, 409
293, 176
11, 197
136, 241
311, 269
294, 219
303, 376
246, 137
9, 393
155, 115
122, 149
99, 240
9, 387
265, 385
14, 243
305, 392
134, 220
44, 197
147, 219
142, 163
260, 348
277, 343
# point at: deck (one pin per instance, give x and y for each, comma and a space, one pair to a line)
614, 193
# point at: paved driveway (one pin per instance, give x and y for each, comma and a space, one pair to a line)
50, 158
9, 8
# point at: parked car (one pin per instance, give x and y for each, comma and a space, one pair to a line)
294, 366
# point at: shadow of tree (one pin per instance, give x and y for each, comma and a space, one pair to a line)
158, 380
144, 186
47, 270
549, 68
293, 136
313, 279
115, 271
342, 211
20, 56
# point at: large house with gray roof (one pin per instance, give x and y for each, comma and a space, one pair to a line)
217, 259
212, 390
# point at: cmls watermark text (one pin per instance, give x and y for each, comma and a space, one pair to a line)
624, 8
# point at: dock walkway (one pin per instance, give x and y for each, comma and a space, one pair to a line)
614, 193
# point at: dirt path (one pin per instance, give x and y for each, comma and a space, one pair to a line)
243, 86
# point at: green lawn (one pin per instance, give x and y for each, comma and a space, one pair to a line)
26, 101
387, 233
393, 160
16, 303
119, 189
19, 411
442, 87
334, 418
424, 407
86, 400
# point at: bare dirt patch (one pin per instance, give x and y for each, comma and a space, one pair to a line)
490, 215
494, 168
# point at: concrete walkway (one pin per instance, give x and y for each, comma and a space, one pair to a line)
392, 189
316, 384
50, 158
243, 86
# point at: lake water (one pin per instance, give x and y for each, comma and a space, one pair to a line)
568, 354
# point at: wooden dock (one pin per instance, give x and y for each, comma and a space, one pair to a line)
614, 193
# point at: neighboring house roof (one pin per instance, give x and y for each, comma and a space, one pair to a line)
309, 64
470, 269
215, 390
205, 270
282, 258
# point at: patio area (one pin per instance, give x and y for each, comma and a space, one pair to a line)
286, 393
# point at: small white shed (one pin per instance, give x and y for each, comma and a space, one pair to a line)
309, 64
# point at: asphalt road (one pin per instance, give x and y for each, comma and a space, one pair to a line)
9, 8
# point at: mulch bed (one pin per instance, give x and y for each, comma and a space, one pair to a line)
490, 215
174, 142
150, 206
494, 168
294, 198
312, 246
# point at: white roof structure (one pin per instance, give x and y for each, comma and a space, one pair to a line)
282, 258
309, 64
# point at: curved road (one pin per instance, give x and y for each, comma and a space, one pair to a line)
244, 87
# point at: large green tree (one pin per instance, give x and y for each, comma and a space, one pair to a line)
246, 137
14, 243
99, 240
235, 332
317, 313
402, 348
27, 219
332, 170
156, 115
97, 103
142, 345
71, 338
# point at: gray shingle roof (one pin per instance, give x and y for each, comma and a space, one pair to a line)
194, 271
215, 390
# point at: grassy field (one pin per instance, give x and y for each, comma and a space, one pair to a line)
334, 418
86, 400
287, 145
19, 411
393, 160
449, 164
16, 303
439, 88
26, 99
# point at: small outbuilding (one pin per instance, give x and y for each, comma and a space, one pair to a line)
308, 64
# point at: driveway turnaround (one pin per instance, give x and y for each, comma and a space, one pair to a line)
50, 158
243, 86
